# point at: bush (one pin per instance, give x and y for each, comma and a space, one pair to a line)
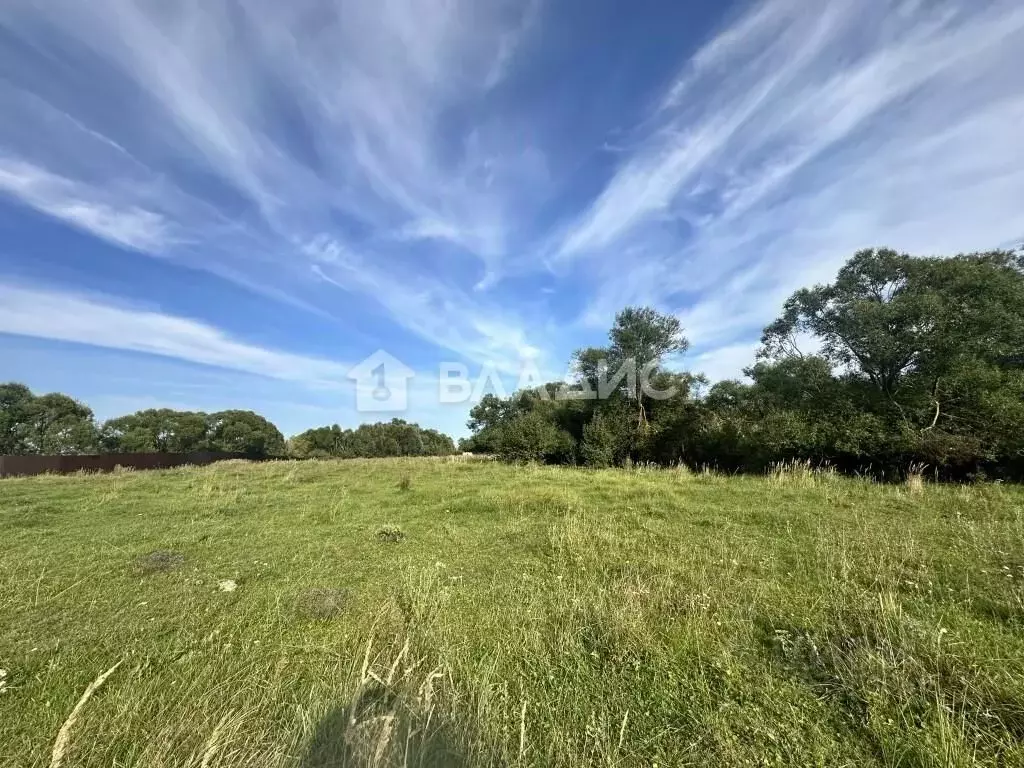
598, 446
532, 437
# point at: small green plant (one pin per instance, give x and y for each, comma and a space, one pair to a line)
390, 534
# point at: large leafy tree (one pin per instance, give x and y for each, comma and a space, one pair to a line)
318, 443
609, 415
45, 424
920, 343
166, 430
872, 320
156, 430
532, 435
394, 438
910, 327
15, 402
58, 424
486, 420
591, 365
642, 337
245, 432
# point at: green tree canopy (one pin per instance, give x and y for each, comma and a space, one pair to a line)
156, 430
244, 432
45, 424
394, 438
914, 360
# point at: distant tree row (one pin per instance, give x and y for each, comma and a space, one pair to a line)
917, 360
393, 438
187, 431
57, 424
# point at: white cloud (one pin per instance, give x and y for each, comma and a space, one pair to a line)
83, 206
370, 146
311, 118
430, 309
62, 316
725, 362
370, 84
799, 135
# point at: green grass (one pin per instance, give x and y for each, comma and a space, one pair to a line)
415, 612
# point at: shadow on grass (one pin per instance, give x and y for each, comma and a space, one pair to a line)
376, 731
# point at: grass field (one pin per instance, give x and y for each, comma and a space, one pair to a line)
420, 612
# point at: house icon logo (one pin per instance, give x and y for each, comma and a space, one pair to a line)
382, 383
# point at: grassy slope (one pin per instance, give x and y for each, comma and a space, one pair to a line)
531, 616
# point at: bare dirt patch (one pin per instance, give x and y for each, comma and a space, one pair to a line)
159, 561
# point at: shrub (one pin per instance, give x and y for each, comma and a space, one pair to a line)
598, 446
532, 437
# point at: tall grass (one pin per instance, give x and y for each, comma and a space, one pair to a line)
527, 616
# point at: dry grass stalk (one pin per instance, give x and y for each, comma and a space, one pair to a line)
213, 743
60, 746
915, 478
522, 731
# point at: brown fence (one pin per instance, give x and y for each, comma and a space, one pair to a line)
11, 466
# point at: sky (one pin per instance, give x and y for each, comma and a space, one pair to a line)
210, 204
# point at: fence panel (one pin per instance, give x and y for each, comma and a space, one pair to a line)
12, 466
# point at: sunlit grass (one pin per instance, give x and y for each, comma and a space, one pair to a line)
431, 612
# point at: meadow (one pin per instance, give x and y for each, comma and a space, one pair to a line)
446, 613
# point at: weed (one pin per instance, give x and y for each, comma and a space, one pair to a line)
390, 534
801, 474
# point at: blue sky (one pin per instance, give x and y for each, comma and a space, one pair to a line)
208, 204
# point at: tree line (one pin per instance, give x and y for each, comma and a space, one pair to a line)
57, 424
393, 438
899, 361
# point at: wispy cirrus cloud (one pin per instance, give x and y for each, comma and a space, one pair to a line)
483, 333
254, 129
366, 87
85, 207
800, 134
63, 316
341, 154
